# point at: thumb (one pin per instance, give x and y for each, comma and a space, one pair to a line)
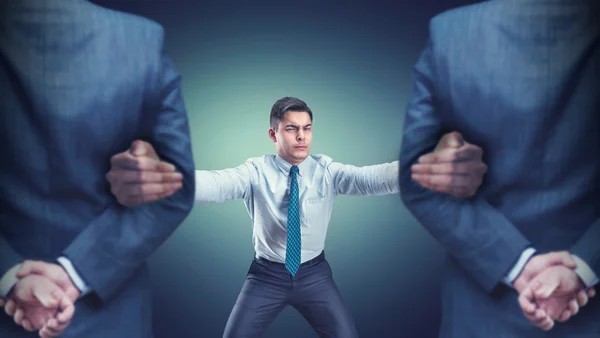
451, 140
455, 140
48, 294
546, 289
138, 148
30, 268
562, 258
141, 148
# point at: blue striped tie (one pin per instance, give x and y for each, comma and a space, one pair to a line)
292, 254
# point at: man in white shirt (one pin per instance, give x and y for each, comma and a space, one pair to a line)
289, 197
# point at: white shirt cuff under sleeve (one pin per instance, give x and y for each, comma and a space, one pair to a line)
518, 267
75, 278
586, 273
9, 280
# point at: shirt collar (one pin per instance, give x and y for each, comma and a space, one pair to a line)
285, 166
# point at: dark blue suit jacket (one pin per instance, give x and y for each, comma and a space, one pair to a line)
521, 79
79, 83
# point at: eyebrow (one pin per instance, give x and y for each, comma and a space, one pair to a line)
297, 126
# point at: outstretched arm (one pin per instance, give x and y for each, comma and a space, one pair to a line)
145, 178
449, 169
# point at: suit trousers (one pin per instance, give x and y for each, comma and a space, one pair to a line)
269, 288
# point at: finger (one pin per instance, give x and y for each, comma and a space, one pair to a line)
458, 191
561, 258
142, 148
546, 324
582, 298
128, 161
573, 306
56, 329
455, 168
156, 197
454, 184
451, 140
425, 182
48, 333
526, 301
66, 311
28, 326
19, 316
2, 301
539, 318
547, 288
440, 181
45, 333
591, 292
136, 176
539, 315
10, 307
32, 268
53, 329
48, 295
468, 152
564, 316
134, 200
150, 189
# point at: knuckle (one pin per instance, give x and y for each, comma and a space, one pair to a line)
452, 167
454, 155
141, 176
451, 180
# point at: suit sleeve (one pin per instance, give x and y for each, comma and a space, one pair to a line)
484, 242
8, 259
110, 249
587, 248
8, 256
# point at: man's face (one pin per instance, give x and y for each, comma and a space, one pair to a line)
293, 136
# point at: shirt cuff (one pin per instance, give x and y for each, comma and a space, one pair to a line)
9, 280
75, 277
518, 267
587, 275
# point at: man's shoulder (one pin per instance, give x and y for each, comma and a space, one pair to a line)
455, 19
321, 160
260, 162
468, 10
122, 22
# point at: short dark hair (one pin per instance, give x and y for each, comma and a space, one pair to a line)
285, 105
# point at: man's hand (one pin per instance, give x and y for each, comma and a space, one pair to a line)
58, 276
454, 167
560, 307
54, 272
36, 303
559, 282
138, 176
539, 263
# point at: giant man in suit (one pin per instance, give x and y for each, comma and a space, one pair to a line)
79, 83
520, 79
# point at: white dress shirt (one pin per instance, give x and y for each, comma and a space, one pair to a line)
263, 184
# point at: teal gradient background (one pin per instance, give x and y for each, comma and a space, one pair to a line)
352, 64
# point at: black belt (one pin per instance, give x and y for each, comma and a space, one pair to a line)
319, 258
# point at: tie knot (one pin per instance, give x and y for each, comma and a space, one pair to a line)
294, 169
